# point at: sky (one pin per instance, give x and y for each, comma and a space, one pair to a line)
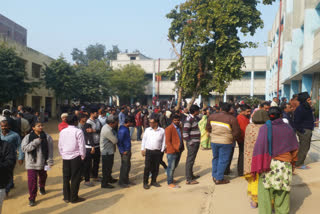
56, 27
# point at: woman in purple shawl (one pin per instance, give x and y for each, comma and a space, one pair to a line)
274, 156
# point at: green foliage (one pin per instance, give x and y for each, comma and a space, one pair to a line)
95, 52
112, 54
13, 75
252, 101
128, 82
268, 1
60, 76
208, 32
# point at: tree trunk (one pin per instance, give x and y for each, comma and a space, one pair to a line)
177, 108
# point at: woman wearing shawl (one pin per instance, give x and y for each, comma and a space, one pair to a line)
259, 118
38, 149
274, 156
204, 140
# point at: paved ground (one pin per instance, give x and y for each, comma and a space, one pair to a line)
205, 198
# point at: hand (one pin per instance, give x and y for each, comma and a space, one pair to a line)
82, 158
89, 130
50, 166
92, 151
125, 153
20, 162
143, 152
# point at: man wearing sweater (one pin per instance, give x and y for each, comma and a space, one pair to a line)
108, 141
191, 134
73, 151
223, 129
304, 124
124, 146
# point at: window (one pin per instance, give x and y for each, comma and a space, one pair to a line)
259, 75
247, 75
132, 58
149, 77
36, 70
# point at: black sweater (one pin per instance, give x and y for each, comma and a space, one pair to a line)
7, 162
303, 118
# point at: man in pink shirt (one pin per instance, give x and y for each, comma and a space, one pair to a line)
73, 151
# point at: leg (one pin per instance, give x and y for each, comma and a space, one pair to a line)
2, 195
171, 166
156, 164
42, 178
215, 158
177, 159
87, 165
109, 166
147, 167
10, 184
191, 156
282, 202
66, 172
104, 180
227, 172
76, 165
304, 140
96, 162
240, 159
162, 162
32, 183
128, 163
264, 198
223, 160
139, 130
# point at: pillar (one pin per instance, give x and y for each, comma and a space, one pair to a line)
28, 100
294, 89
286, 91
199, 98
225, 96
252, 84
306, 83
154, 80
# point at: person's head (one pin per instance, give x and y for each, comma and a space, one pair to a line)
122, 109
154, 122
94, 113
72, 120
231, 111
286, 107
37, 113
245, 110
260, 117
129, 121
112, 122
6, 113
113, 111
295, 97
64, 117
19, 115
275, 113
37, 127
194, 110
5, 126
77, 112
265, 106
82, 118
225, 107
205, 111
176, 120
275, 99
20, 108
284, 99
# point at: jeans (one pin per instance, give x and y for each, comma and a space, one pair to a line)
173, 161
107, 164
125, 168
191, 157
2, 195
71, 171
10, 185
139, 132
152, 162
220, 160
162, 163
304, 142
33, 181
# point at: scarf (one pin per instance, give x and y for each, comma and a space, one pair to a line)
274, 138
44, 146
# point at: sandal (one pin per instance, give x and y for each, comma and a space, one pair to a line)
222, 182
303, 167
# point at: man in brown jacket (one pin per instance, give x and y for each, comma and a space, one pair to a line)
223, 129
175, 147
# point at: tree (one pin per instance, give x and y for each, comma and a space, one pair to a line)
13, 75
95, 52
61, 77
207, 32
112, 54
128, 82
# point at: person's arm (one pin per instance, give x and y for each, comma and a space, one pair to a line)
21, 153
9, 157
127, 143
168, 138
28, 147
144, 140
81, 144
106, 133
208, 125
163, 142
50, 150
236, 131
186, 130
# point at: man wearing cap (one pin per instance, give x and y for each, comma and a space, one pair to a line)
64, 123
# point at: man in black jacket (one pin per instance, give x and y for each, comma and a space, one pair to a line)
7, 162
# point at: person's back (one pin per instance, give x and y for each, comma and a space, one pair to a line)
69, 142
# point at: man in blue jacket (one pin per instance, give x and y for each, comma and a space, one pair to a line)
124, 145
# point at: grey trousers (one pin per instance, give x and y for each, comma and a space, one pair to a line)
191, 157
305, 142
2, 195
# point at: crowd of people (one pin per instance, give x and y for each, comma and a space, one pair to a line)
273, 140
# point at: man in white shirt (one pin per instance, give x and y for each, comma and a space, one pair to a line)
153, 143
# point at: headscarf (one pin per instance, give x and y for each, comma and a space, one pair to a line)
260, 117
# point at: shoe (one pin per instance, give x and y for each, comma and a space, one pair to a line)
173, 186
107, 186
96, 179
195, 177
32, 203
155, 184
146, 186
303, 167
42, 191
65, 200
78, 200
113, 180
192, 182
124, 185
88, 183
214, 180
174, 181
219, 182
131, 183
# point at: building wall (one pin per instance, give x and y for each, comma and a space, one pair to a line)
38, 96
13, 31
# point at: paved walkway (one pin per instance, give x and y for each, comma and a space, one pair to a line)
205, 198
